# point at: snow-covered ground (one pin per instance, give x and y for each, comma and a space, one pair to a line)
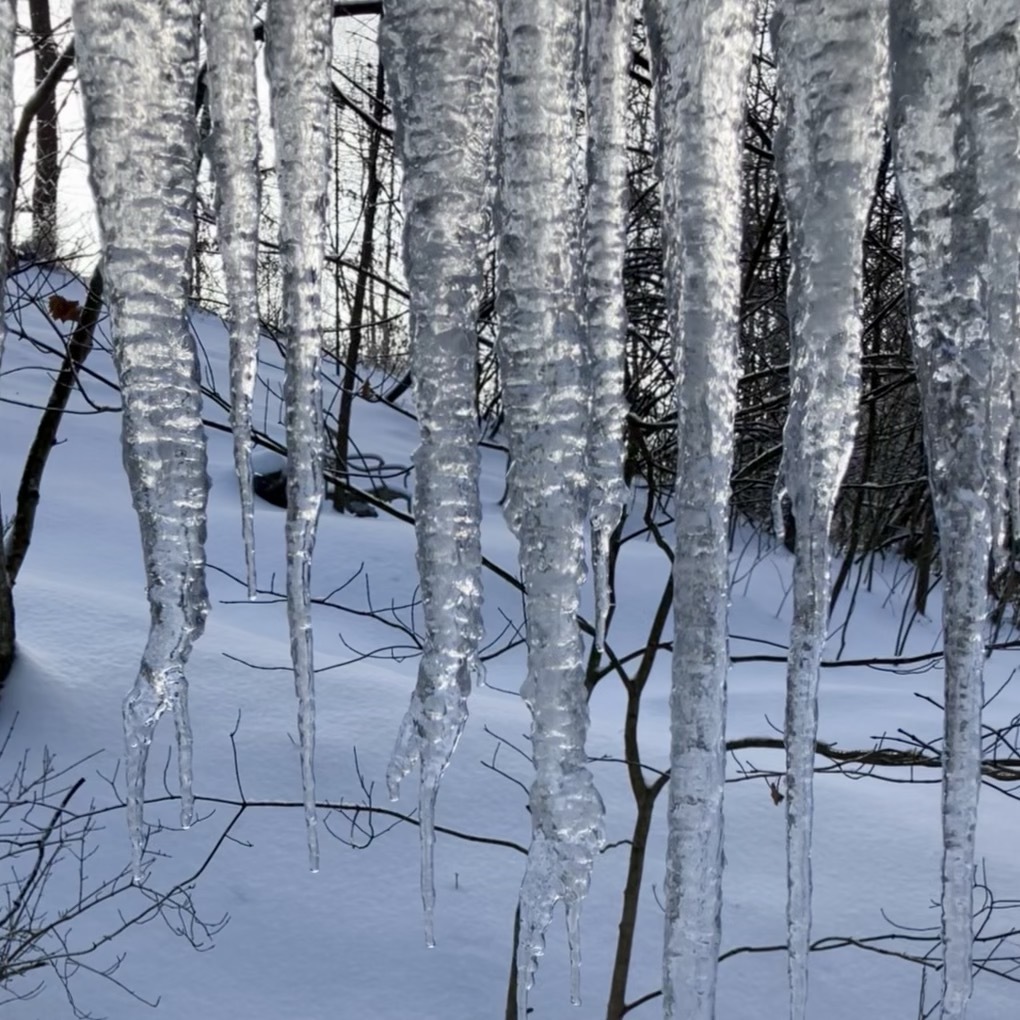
348, 941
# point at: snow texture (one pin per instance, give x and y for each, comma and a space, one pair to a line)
700, 58
832, 61
137, 65
954, 94
546, 402
441, 64
606, 60
233, 106
299, 42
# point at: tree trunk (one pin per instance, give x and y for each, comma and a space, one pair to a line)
511, 985
628, 916
12, 552
343, 425
6, 619
47, 136
79, 344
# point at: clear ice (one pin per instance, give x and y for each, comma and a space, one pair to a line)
441, 64
955, 89
299, 46
234, 109
832, 61
546, 399
137, 66
700, 55
608, 27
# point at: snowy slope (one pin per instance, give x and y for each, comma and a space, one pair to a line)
348, 941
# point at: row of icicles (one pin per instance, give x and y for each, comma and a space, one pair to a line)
474, 85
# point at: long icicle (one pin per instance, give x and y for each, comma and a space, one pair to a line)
701, 52
440, 60
299, 43
137, 65
545, 396
608, 27
995, 83
8, 24
954, 92
832, 72
233, 104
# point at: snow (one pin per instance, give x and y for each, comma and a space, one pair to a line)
299, 45
347, 941
832, 70
440, 61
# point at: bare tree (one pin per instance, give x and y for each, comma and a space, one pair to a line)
17, 530
47, 134
49, 828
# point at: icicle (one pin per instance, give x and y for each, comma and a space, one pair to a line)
137, 65
545, 396
8, 23
441, 62
995, 81
832, 64
233, 104
606, 58
701, 51
299, 40
954, 87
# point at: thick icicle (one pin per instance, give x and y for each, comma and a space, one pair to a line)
546, 400
441, 62
299, 43
137, 65
606, 57
954, 91
233, 104
8, 23
701, 51
832, 61
995, 84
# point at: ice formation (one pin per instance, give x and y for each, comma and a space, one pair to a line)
137, 65
701, 52
233, 105
832, 60
545, 397
299, 46
955, 132
441, 64
608, 28
955, 88
8, 23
